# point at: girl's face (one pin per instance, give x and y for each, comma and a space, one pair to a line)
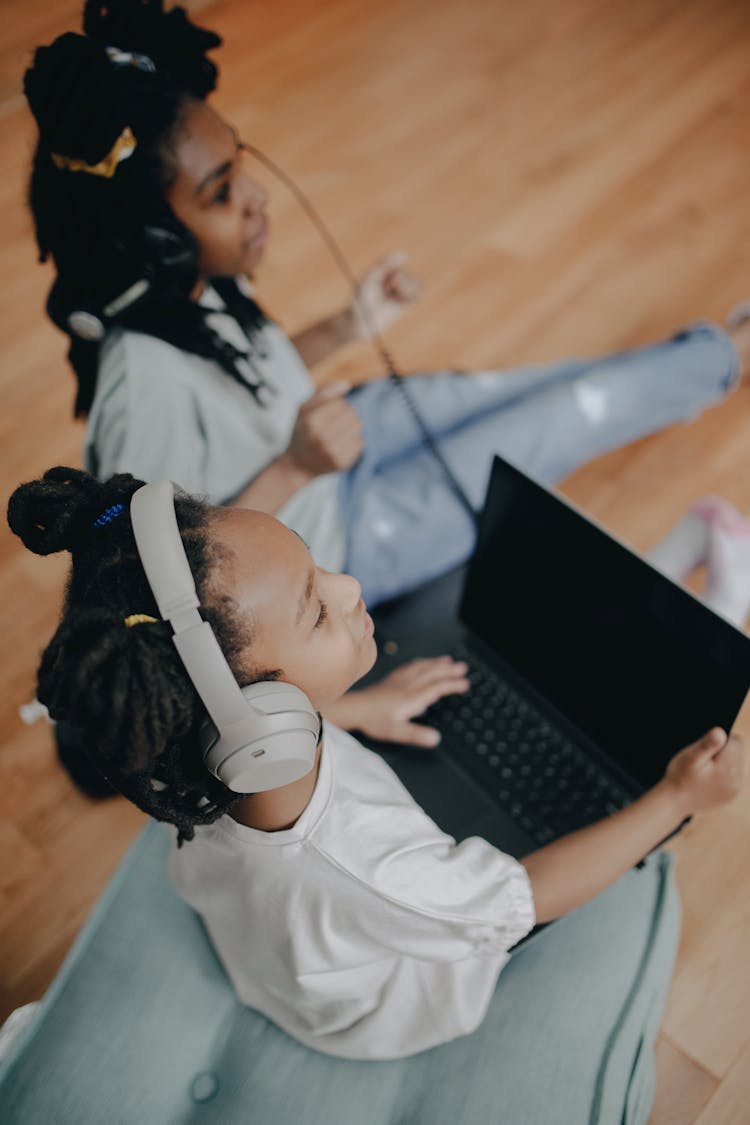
214, 197
308, 623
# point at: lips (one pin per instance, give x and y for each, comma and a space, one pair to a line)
260, 238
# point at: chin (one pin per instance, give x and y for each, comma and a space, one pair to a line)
251, 261
371, 655
368, 657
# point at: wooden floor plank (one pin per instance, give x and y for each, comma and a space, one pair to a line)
568, 179
684, 1086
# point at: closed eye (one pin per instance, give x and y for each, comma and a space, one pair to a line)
322, 615
223, 193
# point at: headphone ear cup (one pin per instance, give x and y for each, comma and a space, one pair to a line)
273, 745
173, 255
158, 263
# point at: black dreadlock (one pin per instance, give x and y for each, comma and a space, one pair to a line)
99, 231
126, 689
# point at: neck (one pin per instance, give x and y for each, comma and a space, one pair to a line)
278, 809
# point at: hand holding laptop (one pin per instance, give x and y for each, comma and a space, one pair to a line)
708, 773
575, 868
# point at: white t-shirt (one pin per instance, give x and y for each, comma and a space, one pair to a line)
162, 413
363, 931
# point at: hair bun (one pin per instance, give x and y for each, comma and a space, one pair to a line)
170, 39
82, 100
53, 513
76, 97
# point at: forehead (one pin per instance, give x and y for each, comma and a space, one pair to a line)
204, 143
265, 568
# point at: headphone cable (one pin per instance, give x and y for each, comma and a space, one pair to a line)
396, 378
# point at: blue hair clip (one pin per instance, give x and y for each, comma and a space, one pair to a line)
108, 515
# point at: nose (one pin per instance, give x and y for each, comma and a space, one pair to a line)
351, 592
256, 196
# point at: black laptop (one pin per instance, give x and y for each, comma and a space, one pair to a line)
589, 669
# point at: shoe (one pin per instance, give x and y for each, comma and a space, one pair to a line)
727, 589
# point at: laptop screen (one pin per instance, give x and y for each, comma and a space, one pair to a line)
638, 664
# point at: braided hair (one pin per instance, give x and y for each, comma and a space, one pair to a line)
125, 689
139, 67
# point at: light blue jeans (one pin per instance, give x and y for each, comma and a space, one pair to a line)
403, 523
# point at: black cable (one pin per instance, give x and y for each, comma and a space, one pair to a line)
396, 378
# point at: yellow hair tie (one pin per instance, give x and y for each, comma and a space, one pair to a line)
123, 147
138, 619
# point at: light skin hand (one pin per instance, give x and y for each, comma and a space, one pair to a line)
572, 870
386, 291
319, 340
385, 710
708, 773
327, 435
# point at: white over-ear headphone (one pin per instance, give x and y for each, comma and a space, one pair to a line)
258, 737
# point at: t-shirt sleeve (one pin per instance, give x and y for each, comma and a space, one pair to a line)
417, 891
442, 901
147, 426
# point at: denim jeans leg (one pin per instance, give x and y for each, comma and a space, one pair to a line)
404, 525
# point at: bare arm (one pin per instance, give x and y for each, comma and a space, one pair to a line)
325, 336
327, 436
386, 291
574, 869
274, 485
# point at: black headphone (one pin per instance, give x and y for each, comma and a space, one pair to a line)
161, 261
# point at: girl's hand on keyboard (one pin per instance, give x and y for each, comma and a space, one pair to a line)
385, 710
707, 773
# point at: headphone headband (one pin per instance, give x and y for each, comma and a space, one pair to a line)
261, 736
159, 544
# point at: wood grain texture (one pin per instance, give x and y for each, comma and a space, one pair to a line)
568, 179
684, 1086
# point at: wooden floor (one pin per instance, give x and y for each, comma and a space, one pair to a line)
568, 177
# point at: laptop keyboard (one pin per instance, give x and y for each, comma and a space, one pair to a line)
546, 783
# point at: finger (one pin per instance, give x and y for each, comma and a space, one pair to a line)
331, 407
340, 445
330, 420
426, 662
415, 734
432, 672
712, 743
706, 748
346, 454
330, 391
417, 702
336, 428
375, 278
444, 666
402, 286
731, 751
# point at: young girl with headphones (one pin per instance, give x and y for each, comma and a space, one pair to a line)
140, 196
196, 648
